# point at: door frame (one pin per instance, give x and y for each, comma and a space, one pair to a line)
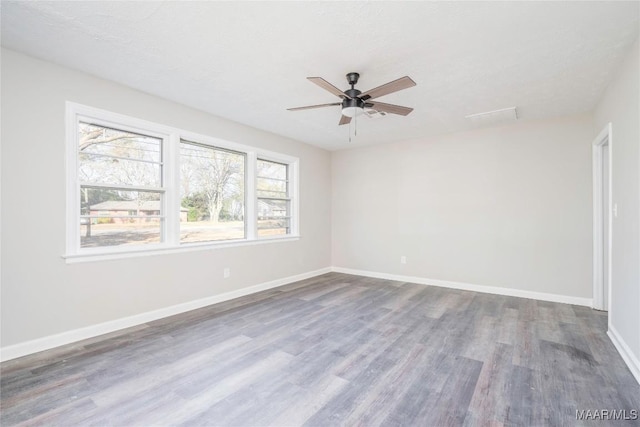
603, 138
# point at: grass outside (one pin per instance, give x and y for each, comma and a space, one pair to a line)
149, 232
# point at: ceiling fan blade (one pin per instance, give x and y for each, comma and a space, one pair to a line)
344, 120
328, 86
309, 107
390, 108
387, 88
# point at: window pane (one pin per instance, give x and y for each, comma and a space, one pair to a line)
267, 169
271, 188
273, 227
102, 140
211, 194
99, 169
112, 217
273, 217
272, 179
110, 156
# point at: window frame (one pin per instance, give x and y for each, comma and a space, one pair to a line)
170, 208
287, 197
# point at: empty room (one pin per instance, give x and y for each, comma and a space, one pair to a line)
320, 213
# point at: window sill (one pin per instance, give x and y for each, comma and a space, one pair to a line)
206, 246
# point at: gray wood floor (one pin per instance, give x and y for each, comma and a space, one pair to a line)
333, 350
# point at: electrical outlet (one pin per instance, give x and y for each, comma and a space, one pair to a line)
226, 272
403, 259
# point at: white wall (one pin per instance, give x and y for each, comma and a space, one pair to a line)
507, 207
620, 105
41, 294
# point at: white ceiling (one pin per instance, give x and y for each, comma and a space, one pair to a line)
248, 61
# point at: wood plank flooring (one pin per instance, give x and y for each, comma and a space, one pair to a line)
335, 350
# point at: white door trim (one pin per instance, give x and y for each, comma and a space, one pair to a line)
603, 138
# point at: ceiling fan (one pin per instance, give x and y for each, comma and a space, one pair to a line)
354, 101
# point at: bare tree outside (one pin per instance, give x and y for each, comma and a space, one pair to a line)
212, 188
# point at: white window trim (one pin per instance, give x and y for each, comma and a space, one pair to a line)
171, 138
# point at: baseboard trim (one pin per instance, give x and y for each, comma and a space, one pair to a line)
627, 355
68, 337
565, 299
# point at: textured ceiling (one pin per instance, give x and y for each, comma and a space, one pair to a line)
248, 61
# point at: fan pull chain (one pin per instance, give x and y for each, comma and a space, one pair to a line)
355, 125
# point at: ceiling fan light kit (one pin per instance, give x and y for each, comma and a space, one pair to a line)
354, 101
352, 108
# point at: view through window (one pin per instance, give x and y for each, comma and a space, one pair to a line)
121, 190
274, 204
211, 193
135, 185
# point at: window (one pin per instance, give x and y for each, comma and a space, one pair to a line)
120, 177
136, 186
212, 191
273, 198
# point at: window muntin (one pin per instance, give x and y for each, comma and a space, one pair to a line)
133, 164
274, 203
119, 172
212, 190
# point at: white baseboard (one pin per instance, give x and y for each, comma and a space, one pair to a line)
52, 341
565, 299
68, 337
627, 355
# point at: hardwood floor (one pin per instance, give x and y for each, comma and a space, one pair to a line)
333, 350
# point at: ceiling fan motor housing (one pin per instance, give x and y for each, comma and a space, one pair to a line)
352, 107
354, 104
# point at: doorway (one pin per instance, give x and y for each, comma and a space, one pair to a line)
602, 209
